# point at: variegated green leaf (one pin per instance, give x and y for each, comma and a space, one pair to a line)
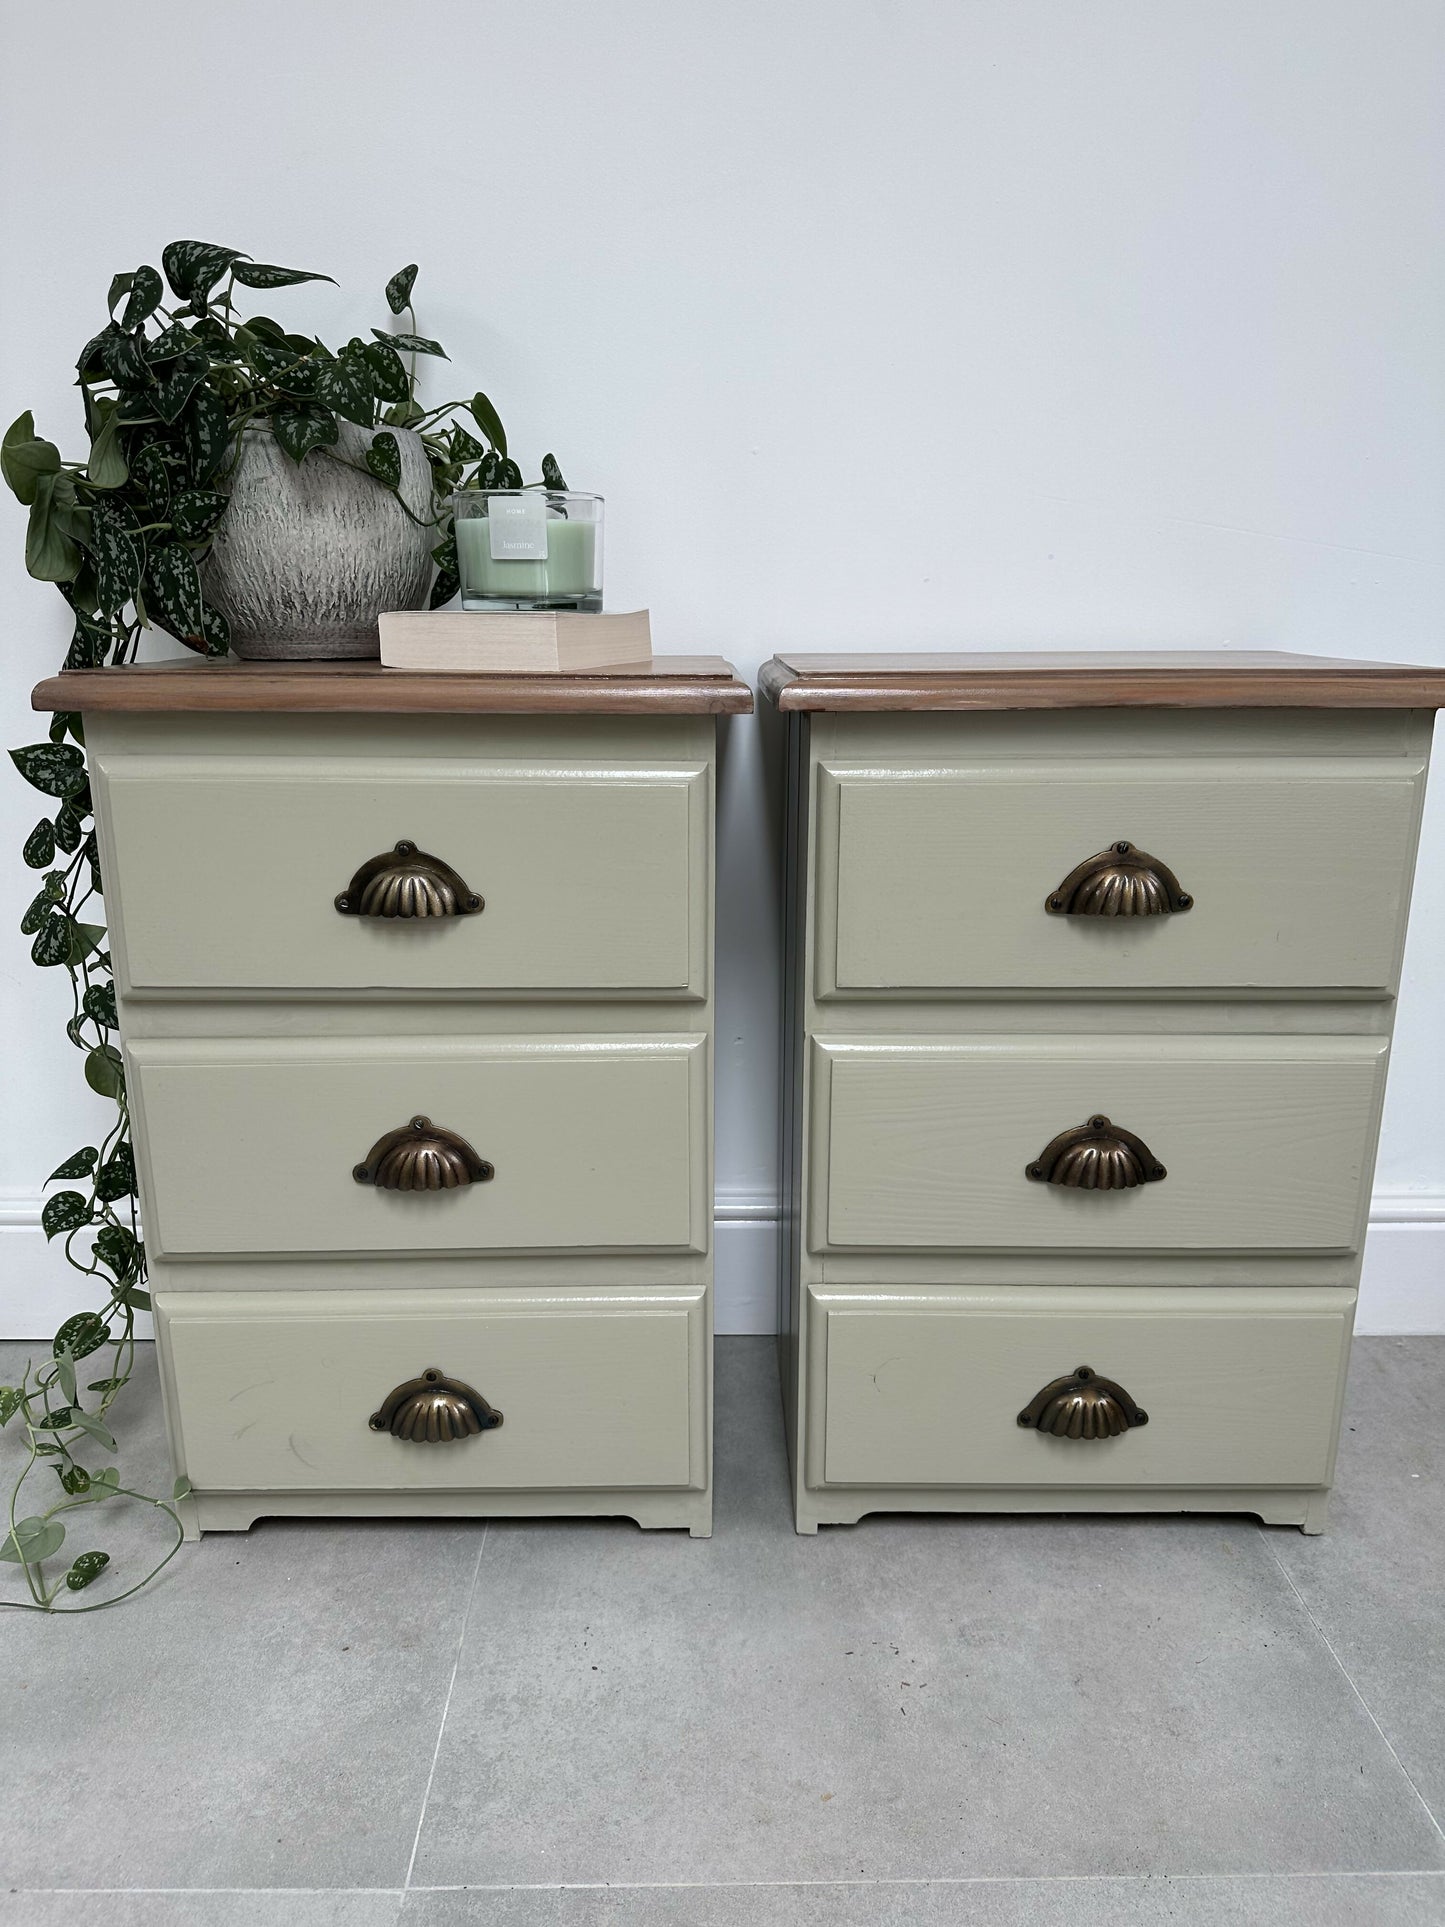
256, 274
339, 386
99, 1003
116, 1177
81, 1335
37, 915
398, 289
216, 630
170, 342
412, 344
299, 430
383, 458
173, 592
116, 557
89, 1566
196, 511
78, 1166
205, 431
52, 946
194, 267
387, 371
182, 377
145, 297
40, 844
116, 1248
123, 358
66, 1211
56, 768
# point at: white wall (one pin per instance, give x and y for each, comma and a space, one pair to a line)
1140, 300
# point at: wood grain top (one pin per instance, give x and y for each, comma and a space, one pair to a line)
667, 686
1067, 679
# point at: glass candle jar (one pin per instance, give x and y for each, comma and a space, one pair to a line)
529, 548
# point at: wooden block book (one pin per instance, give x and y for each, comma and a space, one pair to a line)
514, 641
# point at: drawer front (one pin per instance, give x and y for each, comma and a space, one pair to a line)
251, 1146
1298, 876
229, 870
274, 1391
925, 1142
1240, 1387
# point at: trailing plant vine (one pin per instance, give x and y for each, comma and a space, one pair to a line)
168, 387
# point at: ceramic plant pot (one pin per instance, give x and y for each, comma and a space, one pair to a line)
307, 558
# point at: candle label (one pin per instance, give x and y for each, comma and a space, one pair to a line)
518, 528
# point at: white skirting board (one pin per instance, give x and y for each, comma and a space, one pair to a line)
1403, 1289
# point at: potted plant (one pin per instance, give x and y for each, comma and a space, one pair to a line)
244, 487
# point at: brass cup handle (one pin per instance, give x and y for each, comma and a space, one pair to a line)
1122, 881
1096, 1156
407, 883
434, 1409
1082, 1406
422, 1156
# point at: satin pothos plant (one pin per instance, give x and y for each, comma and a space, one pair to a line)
167, 388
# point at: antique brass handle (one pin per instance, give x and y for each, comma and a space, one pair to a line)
1082, 1406
1097, 1156
433, 1409
406, 882
1122, 881
422, 1156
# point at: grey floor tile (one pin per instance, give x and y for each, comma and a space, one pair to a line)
929, 1697
281, 1907
264, 1715
1330, 1900
1375, 1581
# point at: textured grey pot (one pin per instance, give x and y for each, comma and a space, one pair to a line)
306, 559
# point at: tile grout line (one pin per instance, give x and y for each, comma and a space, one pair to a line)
1348, 1677
446, 1708
708, 1886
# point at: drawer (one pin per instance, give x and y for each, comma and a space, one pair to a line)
229, 869
1239, 1386
252, 1145
1267, 1143
1298, 874
275, 1391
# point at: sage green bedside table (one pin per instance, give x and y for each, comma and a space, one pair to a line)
415, 992
1090, 968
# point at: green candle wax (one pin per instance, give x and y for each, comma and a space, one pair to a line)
569, 571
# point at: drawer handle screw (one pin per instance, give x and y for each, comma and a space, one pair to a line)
422, 1156
1097, 1156
408, 883
1082, 1406
1122, 881
433, 1409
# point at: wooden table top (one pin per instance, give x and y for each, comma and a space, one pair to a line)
667, 686
1068, 679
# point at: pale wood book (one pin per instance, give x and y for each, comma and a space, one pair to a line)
509, 642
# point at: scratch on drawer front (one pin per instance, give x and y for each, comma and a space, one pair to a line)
297, 1453
246, 1390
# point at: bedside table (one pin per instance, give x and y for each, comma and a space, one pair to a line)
415, 991
1089, 982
